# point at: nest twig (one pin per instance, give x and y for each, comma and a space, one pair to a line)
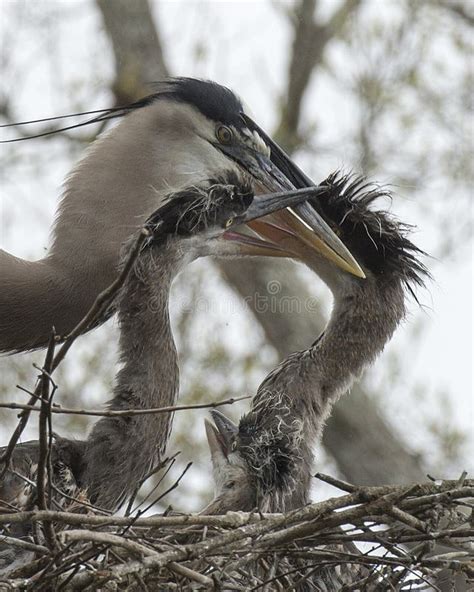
398, 526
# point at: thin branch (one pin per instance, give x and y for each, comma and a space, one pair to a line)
44, 456
125, 412
43, 426
366, 495
136, 548
342, 485
167, 461
24, 417
26, 545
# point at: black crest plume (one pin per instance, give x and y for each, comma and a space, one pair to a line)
375, 237
213, 100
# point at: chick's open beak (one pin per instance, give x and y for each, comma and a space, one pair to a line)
220, 434
303, 226
260, 212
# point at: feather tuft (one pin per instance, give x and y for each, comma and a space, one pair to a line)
375, 237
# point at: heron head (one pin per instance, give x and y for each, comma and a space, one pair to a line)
208, 216
263, 461
234, 487
208, 132
376, 238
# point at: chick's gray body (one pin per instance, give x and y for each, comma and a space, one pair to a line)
266, 462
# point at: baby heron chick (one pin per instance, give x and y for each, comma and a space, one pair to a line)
266, 460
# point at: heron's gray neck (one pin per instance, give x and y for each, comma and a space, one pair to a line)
364, 317
122, 450
293, 403
120, 181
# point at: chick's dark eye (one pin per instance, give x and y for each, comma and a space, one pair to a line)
224, 134
230, 484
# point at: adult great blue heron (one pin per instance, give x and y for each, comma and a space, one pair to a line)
266, 460
187, 131
192, 223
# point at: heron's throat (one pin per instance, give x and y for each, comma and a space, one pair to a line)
122, 450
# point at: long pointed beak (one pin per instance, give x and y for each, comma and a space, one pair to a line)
226, 427
221, 434
311, 229
214, 440
279, 173
264, 205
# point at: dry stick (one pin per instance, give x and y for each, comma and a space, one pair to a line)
24, 417
407, 519
66, 564
50, 443
158, 483
119, 541
378, 538
394, 561
44, 449
43, 428
318, 521
170, 489
193, 551
188, 552
167, 461
103, 299
20, 543
134, 519
191, 574
343, 485
235, 519
139, 513
28, 392
378, 506
369, 536
126, 412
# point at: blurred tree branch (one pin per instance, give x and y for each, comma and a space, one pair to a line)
309, 43
136, 47
459, 9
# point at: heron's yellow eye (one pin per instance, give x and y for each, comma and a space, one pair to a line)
224, 134
229, 222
